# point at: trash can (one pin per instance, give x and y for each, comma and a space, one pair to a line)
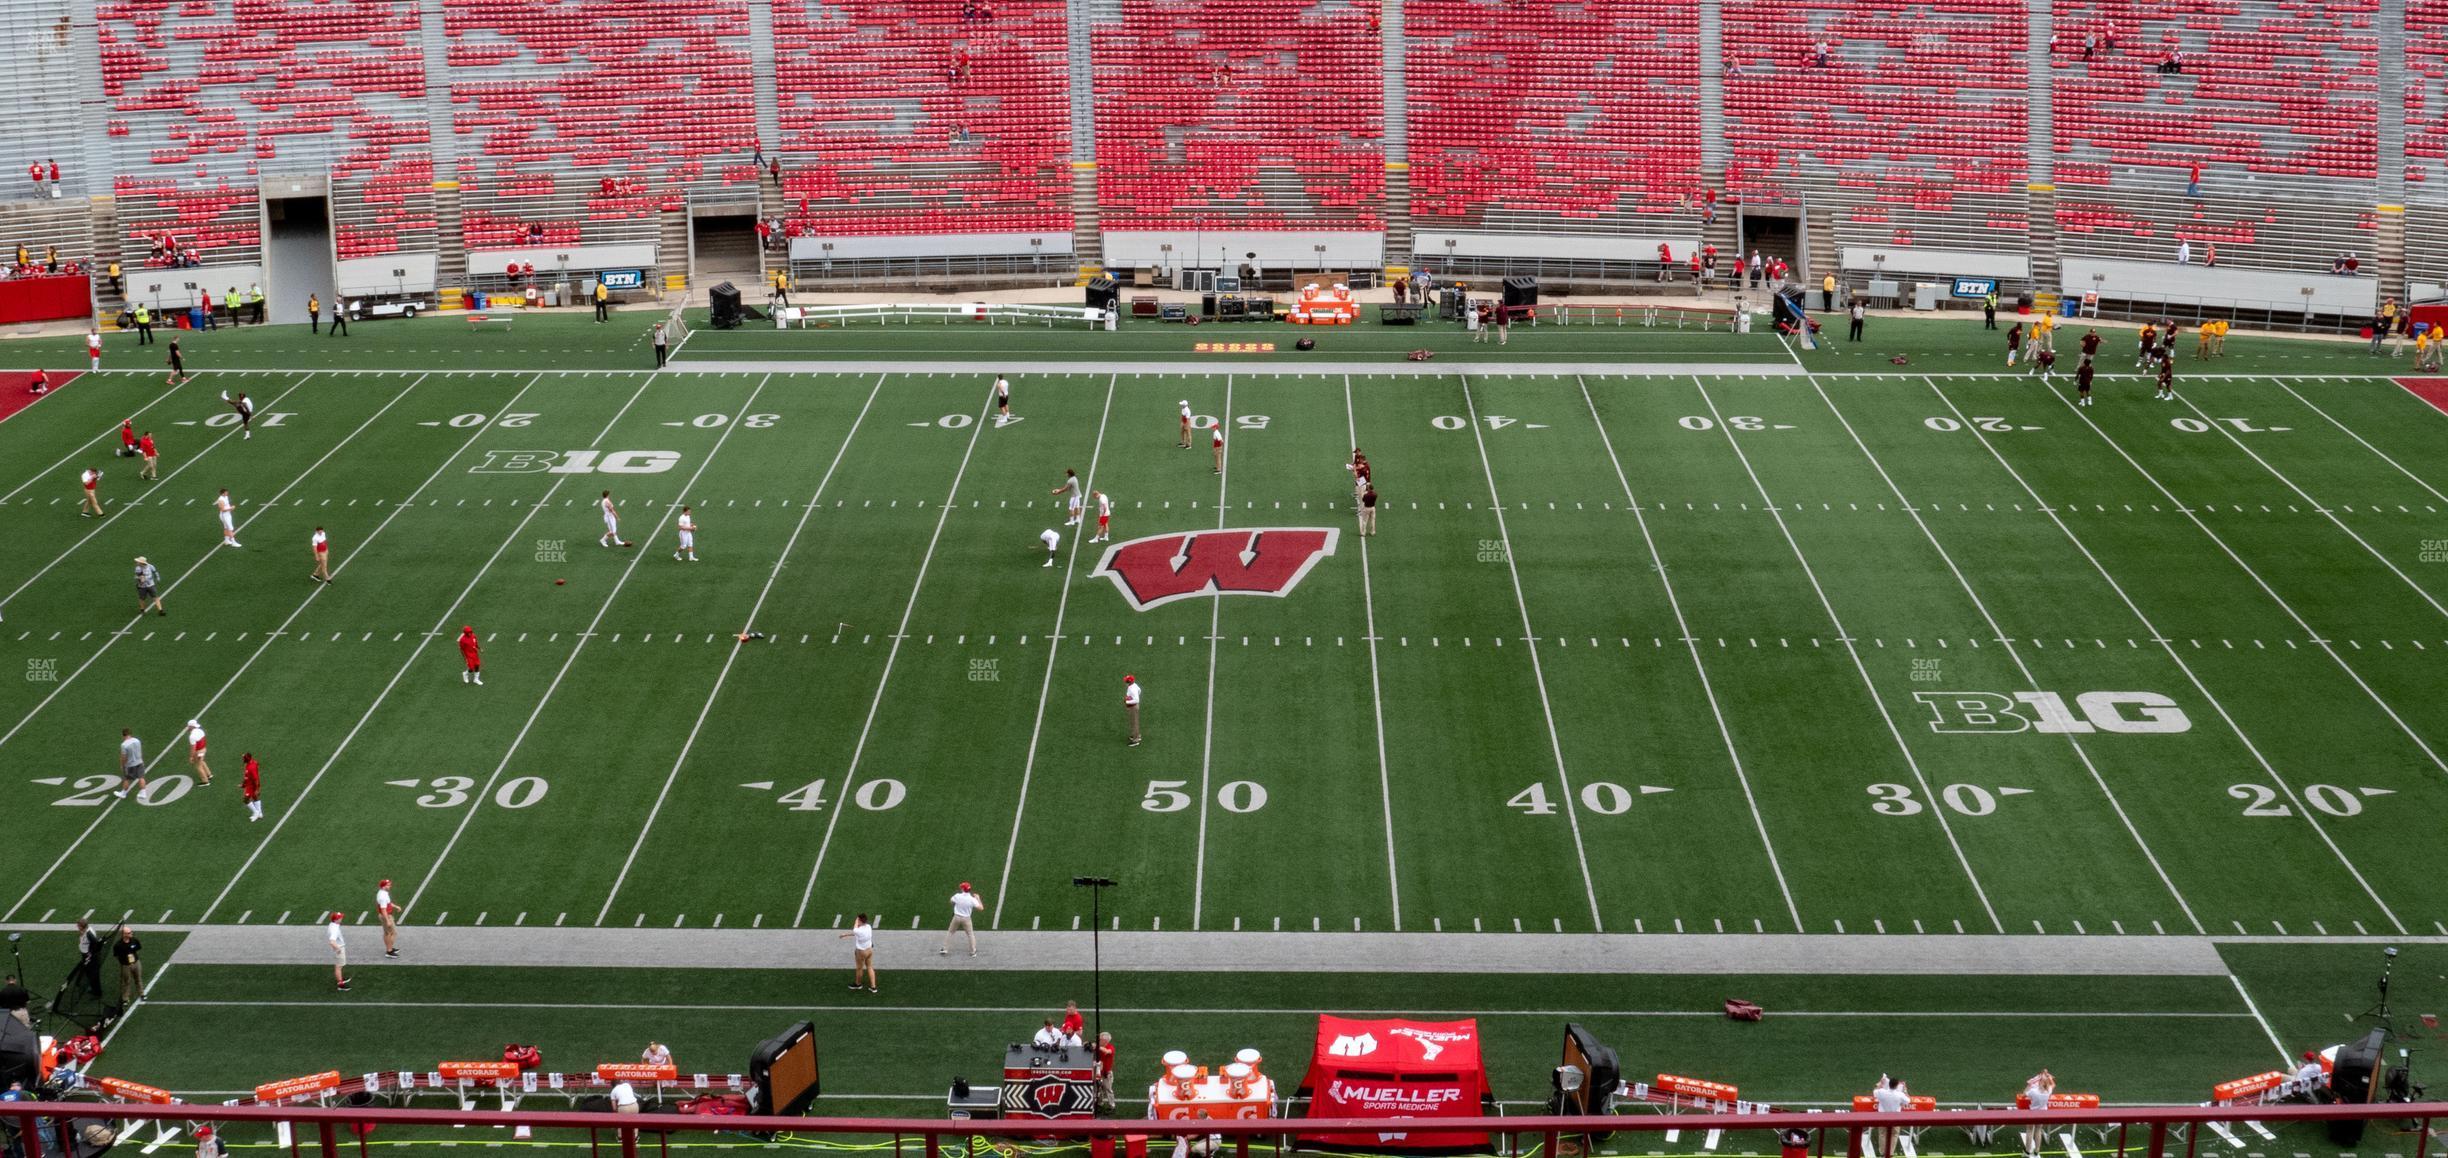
195, 317
476, 301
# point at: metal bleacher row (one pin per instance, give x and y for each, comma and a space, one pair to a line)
1962, 124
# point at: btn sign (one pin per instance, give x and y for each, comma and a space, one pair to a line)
576, 462
622, 279
2130, 713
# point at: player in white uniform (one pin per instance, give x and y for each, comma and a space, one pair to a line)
229, 531
1104, 505
611, 517
1052, 539
338, 943
195, 753
1070, 487
1002, 389
389, 913
1185, 423
93, 349
688, 536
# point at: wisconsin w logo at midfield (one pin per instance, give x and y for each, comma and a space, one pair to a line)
1159, 569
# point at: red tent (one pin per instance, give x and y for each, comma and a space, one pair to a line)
1396, 1069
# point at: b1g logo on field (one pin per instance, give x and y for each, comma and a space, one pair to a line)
1159, 569
576, 462
2131, 713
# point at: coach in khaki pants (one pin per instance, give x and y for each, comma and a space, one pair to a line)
1130, 706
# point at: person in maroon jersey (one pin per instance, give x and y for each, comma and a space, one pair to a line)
2090, 344
2082, 383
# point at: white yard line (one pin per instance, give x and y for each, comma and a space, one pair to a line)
266, 645
1998, 631
2166, 644
440, 625
2350, 433
2256, 1016
1045, 688
1869, 685
977, 429
1691, 642
1368, 603
476, 802
105, 522
1215, 640
732, 657
2318, 507
1538, 671
87, 447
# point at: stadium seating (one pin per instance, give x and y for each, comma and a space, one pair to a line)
2426, 98
2278, 92
1243, 114
1919, 109
219, 223
648, 89
1551, 114
915, 116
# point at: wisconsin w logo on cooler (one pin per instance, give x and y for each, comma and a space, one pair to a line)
1159, 569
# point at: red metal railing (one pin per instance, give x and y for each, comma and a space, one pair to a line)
1841, 1132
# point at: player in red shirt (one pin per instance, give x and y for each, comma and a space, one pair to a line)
40, 384
127, 438
152, 458
250, 782
467, 647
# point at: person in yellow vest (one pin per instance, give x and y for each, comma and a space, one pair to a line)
1827, 293
314, 314
144, 324
255, 301
114, 277
236, 306
603, 301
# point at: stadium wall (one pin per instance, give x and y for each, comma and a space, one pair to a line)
2045, 135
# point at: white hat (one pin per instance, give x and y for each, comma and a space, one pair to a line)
195, 724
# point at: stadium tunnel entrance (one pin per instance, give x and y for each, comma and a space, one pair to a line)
298, 259
1775, 235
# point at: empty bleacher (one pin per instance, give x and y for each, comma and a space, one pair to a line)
552, 99
2274, 95
923, 116
1914, 128
1552, 115
1243, 114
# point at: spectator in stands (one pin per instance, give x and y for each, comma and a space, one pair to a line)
2184, 252
2173, 62
25, 257
55, 181
35, 171
2090, 44
51, 259
114, 276
2210, 255
1821, 54
1858, 314
2193, 181
1708, 206
776, 166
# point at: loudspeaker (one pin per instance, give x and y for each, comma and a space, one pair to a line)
1207, 305
1521, 290
1305, 344
725, 299
1103, 294
2357, 1080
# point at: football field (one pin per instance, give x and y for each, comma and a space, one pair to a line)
1826, 647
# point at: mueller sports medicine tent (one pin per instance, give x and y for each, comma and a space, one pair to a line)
1397, 1069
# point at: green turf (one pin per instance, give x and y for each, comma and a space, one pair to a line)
1525, 705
